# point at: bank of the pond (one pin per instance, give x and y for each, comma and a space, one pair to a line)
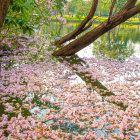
74, 19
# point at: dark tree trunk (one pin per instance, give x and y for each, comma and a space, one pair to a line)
111, 10
61, 13
4, 4
127, 11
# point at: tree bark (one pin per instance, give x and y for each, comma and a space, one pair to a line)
130, 4
111, 9
125, 13
4, 4
81, 27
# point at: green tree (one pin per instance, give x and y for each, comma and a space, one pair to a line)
60, 5
77, 7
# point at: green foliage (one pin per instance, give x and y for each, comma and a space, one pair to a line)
26, 15
60, 4
76, 6
79, 15
19, 17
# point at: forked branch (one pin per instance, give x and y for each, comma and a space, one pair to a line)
81, 27
111, 9
88, 38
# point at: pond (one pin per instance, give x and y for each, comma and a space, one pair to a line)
91, 95
122, 40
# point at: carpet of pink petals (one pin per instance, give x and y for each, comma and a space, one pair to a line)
83, 114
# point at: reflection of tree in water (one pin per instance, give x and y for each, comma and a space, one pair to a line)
116, 44
54, 29
57, 29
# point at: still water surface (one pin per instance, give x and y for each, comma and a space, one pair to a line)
119, 43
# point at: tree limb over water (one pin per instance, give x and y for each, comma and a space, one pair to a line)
81, 27
127, 11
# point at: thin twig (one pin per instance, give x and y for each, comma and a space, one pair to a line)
40, 10
111, 10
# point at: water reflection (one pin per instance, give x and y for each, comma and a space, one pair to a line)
119, 43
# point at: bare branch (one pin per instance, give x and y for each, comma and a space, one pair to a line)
87, 27
129, 4
111, 9
77, 31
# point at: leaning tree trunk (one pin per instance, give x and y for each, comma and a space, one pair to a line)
4, 4
127, 11
81, 27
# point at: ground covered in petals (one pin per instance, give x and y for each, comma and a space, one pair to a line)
45, 98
